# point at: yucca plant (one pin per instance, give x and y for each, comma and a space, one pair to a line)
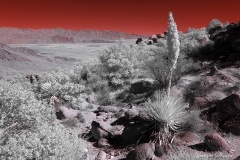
169, 114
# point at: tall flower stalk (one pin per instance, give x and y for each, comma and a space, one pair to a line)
173, 48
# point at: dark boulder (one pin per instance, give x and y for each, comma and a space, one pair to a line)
226, 42
139, 40
226, 113
144, 151
134, 132
150, 42
232, 125
141, 87
216, 143
216, 28
100, 130
160, 36
154, 40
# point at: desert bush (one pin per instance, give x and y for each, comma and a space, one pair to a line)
92, 74
195, 124
75, 74
25, 127
168, 113
213, 23
52, 84
105, 97
46, 142
119, 63
19, 105
189, 42
161, 43
198, 88
157, 66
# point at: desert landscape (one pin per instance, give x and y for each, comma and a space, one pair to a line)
119, 80
102, 101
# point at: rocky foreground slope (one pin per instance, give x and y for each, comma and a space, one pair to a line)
122, 131
35, 36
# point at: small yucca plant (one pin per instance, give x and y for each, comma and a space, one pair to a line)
169, 114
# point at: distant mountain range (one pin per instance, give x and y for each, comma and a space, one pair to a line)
10, 35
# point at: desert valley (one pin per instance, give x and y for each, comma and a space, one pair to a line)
103, 95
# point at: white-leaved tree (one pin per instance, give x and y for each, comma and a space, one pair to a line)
173, 48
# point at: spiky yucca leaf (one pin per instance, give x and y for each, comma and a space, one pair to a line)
167, 110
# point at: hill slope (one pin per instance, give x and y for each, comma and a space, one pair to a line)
35, 36
27, 61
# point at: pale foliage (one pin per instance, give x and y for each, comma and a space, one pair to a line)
119, 63
167, 110
27, 130
173, 47
172, 42
213, 23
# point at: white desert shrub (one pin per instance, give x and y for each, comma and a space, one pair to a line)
213, 23
119, 63
26, 130
46, 142
63, 88
92, 74
75, 73
19, 105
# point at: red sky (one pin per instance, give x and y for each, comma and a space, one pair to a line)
131, 16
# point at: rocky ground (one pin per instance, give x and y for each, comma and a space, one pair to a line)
122, 131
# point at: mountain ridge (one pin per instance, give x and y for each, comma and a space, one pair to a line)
10, 35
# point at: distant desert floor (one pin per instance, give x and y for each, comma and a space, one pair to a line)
53, 56
79, 51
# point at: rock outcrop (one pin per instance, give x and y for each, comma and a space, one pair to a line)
216, 143
226, 113
226, 42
